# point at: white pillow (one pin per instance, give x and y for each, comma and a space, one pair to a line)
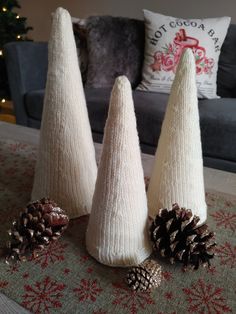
165, 39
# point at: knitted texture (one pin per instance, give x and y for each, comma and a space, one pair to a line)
177, 175
66, 168
117, 230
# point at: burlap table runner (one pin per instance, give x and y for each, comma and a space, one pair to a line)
65, 279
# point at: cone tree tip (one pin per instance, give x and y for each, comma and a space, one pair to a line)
61, 11
121, 82
187, 58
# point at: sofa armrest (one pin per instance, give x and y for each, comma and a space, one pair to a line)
27, 70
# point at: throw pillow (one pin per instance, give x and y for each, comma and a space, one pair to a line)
115, 47
79, 29
165, 39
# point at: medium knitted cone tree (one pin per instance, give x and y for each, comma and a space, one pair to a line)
66, 168
117, 229
177, 175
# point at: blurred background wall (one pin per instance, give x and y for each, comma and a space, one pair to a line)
39, 12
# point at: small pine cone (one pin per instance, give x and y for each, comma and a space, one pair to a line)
145, 276
40, 223
175, 235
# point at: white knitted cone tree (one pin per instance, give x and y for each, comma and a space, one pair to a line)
177, 175
117, 230
66, 168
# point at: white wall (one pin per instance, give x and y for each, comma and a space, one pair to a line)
38, 12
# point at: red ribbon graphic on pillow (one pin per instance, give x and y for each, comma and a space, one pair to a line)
167, 60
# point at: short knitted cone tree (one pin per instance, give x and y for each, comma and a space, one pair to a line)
117, 229
177, 175
66, 168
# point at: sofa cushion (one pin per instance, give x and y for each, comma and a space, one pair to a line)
226, 77
217, 118
80, 34
149, 110
115, 47
218, 121
34, 103
97, 104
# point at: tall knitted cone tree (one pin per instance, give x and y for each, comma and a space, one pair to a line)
177, 175
117, 229
66, 168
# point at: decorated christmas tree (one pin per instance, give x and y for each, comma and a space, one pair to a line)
12, 28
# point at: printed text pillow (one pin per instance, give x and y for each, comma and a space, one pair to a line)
165, 39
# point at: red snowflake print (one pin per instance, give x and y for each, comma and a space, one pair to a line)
212, 270
17, 147
227, 254
89, 270
225, 219
53, 253
84, 258
13, 268
206, 299
169, 295
88, 290
66, 271
131, 300
25, 275
167, 275
3, 284
210, 199
43, 296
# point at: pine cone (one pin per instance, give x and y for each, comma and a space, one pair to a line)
175, 235
40, 223
144, 276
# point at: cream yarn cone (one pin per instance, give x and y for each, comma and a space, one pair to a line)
117, 230
66, 168
177, 175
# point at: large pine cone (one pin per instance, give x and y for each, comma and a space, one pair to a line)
175, 235
145, 276
40, 223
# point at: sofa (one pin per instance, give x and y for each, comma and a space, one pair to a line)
122, 53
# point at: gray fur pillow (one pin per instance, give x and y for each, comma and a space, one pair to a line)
115, 47
80, 32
